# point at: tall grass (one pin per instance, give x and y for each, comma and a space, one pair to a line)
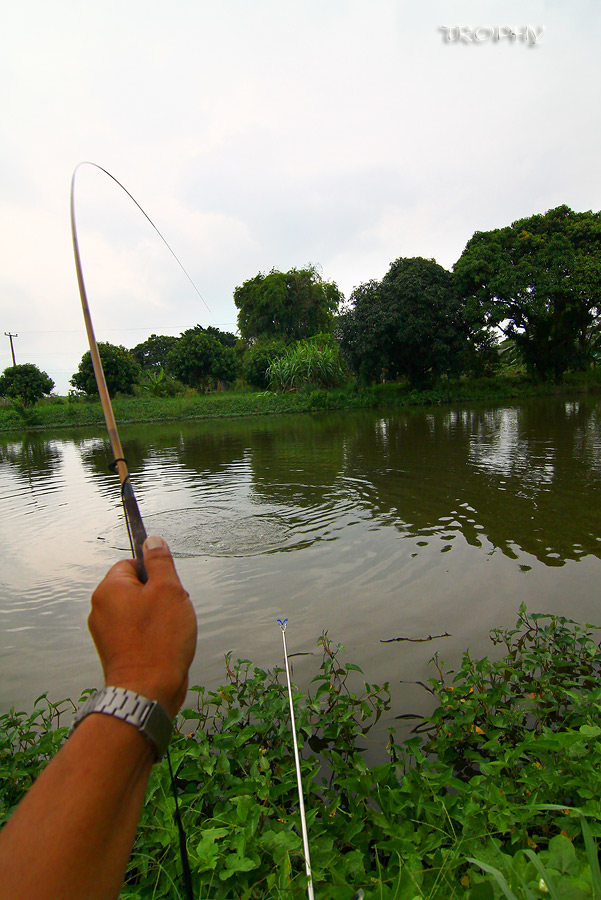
306, 365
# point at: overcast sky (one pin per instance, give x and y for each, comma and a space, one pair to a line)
271, 133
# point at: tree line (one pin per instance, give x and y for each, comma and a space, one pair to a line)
533, 286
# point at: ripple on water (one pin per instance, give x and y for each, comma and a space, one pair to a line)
237, 530
215, 532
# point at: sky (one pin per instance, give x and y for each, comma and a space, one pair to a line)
260, 134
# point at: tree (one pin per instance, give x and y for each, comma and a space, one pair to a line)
199, 359
408, 325
539, 282
225, 338
152, 353
25, 383
228, 365
121, 370
287, 306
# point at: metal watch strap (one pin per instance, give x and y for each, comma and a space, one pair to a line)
146, 715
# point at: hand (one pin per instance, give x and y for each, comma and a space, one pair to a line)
145, 634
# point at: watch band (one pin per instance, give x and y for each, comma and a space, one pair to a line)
148, 716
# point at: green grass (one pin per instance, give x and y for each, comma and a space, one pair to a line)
58, 412
496, 795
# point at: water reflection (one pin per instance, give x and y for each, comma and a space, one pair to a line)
523, 478
32, 460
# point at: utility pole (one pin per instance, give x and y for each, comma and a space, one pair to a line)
12, 349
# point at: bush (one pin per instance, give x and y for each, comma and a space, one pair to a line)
257, 360
156, 383
201, 360
121, 371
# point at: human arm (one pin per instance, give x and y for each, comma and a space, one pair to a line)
72, 834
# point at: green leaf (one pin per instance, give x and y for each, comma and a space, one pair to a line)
498, 876
279, 844
235, 863
323, 688
207, 851
562, 855
590, 730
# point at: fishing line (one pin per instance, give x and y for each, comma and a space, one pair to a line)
301, 804
133, 518
146, 216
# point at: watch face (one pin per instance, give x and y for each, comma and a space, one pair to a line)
146, 715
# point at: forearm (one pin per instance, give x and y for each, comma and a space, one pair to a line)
72, 835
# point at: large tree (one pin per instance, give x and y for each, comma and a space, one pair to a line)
408, 325
200, 359
25, 383
286, 306
538, 281
121, 370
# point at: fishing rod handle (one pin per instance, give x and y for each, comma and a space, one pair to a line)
137, 531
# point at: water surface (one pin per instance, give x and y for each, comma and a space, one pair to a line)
369, 525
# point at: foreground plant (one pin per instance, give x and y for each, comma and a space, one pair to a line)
495, 795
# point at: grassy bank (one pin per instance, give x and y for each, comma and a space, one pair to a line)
496, 794
60, 412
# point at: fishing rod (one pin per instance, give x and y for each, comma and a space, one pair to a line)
135, 525
133, 517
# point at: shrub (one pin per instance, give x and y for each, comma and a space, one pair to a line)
257, 360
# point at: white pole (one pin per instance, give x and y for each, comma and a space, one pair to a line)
301, 804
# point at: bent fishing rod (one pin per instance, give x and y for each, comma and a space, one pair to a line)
135, 525
133, 517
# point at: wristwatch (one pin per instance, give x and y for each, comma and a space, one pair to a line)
148, 716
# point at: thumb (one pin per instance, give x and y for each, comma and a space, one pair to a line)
157, 559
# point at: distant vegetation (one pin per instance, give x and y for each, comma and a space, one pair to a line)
522, 301
154, 405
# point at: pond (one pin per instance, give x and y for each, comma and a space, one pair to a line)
370, 525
